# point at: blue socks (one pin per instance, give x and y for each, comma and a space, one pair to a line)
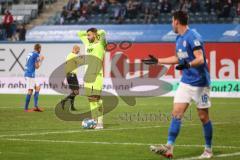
208, 131
36, 94
27, 100
173, 130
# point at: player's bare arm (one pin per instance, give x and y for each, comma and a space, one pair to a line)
199, 59
38, 64
168, 60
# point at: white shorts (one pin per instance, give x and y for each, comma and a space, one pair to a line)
187, 93
31, 82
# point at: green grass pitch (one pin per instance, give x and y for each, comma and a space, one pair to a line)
128, 134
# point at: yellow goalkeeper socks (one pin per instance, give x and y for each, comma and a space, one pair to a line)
94, 110
97, 110
100, 111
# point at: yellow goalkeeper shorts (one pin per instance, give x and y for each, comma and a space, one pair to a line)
94, 88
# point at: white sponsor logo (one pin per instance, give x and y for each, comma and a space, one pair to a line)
230, 33
182, 55
197, 43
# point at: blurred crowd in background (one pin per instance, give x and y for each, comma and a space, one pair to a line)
10, 30
122, 12
122, 9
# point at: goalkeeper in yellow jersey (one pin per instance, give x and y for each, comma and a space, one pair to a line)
95, 46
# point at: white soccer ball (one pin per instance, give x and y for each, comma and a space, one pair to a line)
89, 123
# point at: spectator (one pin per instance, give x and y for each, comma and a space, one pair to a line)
238, 9
131, 9
21, 33
183, 5
3, 36
7, 22
166, 6
4, 8
194, 6
148, 14
103, 6
226, 9
84, 12
64, 15
70, 5
218, 7
14, 31
94, 5
70, 11
76, 11
208, 6
120, 13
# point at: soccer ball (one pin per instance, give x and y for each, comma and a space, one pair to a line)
89, 123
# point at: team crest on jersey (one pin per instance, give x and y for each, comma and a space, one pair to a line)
197, 43
184, 43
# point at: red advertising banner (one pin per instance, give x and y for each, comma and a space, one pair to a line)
223, 58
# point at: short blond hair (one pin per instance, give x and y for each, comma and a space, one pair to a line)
37, 46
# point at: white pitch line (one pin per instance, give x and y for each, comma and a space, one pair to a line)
111, 143
53, 107
78, 131
216, 156
113, 129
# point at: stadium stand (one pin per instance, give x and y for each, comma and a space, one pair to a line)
145, 11
15, 14
80, 12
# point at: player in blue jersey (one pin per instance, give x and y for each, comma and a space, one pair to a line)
33, 62
194, 86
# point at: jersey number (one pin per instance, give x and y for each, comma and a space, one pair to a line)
205, 98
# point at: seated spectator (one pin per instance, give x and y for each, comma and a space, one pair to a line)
183, 5
120, 13
208, 5
218, 7
132, 8
148, 14
84, 12
225, 12
76, 12
3, 35
103, 6
166, 6
194, 6
238, 9
93, 4
14, 31
116, 7
64, 15
70, 5
21, 30
7, 23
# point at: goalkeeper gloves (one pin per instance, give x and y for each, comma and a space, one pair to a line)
151, 60
184, 65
